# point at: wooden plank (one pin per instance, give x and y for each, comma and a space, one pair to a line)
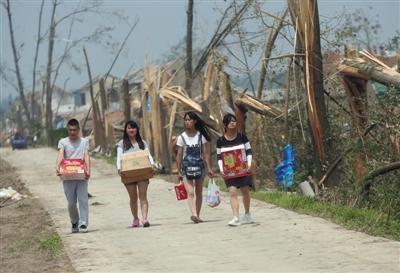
208, 79
257, 106
173, 94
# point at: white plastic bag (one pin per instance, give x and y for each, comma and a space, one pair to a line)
213, 197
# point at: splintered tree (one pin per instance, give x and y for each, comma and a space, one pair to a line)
188, 66
306, 19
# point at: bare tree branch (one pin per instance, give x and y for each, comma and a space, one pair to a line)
49, 114
268, 46
217, 39
115, 59
66, 48
248, 73
35, 60
20, 89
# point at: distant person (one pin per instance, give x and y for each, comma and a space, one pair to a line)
192, 159
232, 138
130, 143
75, 147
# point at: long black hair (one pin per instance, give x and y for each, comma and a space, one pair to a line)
126, 141
199, 125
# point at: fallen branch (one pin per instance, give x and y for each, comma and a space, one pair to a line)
377, 172
257, 106
339, 159
370, 71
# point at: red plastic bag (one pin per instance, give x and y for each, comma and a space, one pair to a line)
180, 191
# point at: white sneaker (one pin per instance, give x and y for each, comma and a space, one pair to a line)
83, 229
247, 219
234, 222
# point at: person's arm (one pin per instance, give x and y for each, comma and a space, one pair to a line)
219, 160
249, 152
179, 161
219, 157
206, 158
179, 156
118, 163
87, 161
87, 165
60, 158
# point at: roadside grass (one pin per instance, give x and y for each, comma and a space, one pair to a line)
365, 220
51, 243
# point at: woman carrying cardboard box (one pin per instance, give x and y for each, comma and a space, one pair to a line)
191, 160
132, 142
234, 161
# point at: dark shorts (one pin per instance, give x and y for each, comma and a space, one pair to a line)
239, 182
134, 183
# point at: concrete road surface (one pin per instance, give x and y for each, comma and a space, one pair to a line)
279, 241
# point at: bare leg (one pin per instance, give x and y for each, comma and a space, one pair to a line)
144, 204
246, 198
133, 196
190, 192
199, 196
234, 201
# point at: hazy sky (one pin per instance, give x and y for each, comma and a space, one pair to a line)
161, 25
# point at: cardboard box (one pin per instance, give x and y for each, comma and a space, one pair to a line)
234, 161
72, 169
135, 166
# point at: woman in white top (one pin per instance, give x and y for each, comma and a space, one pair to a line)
191, 160
132, 142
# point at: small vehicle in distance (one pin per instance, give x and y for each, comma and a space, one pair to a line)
19, 141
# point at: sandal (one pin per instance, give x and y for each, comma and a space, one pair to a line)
146, 223
195, 219
135, 223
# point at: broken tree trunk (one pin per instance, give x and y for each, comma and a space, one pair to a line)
379, 171
103, 98
99, 137
155, 116
188, 65
174, 93
165, 156
241, 118
208, 79
257, 106
127, 100
147, 106
225, 87
356, 90
305, 14
371, 71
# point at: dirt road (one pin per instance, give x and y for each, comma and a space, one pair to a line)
279, 241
